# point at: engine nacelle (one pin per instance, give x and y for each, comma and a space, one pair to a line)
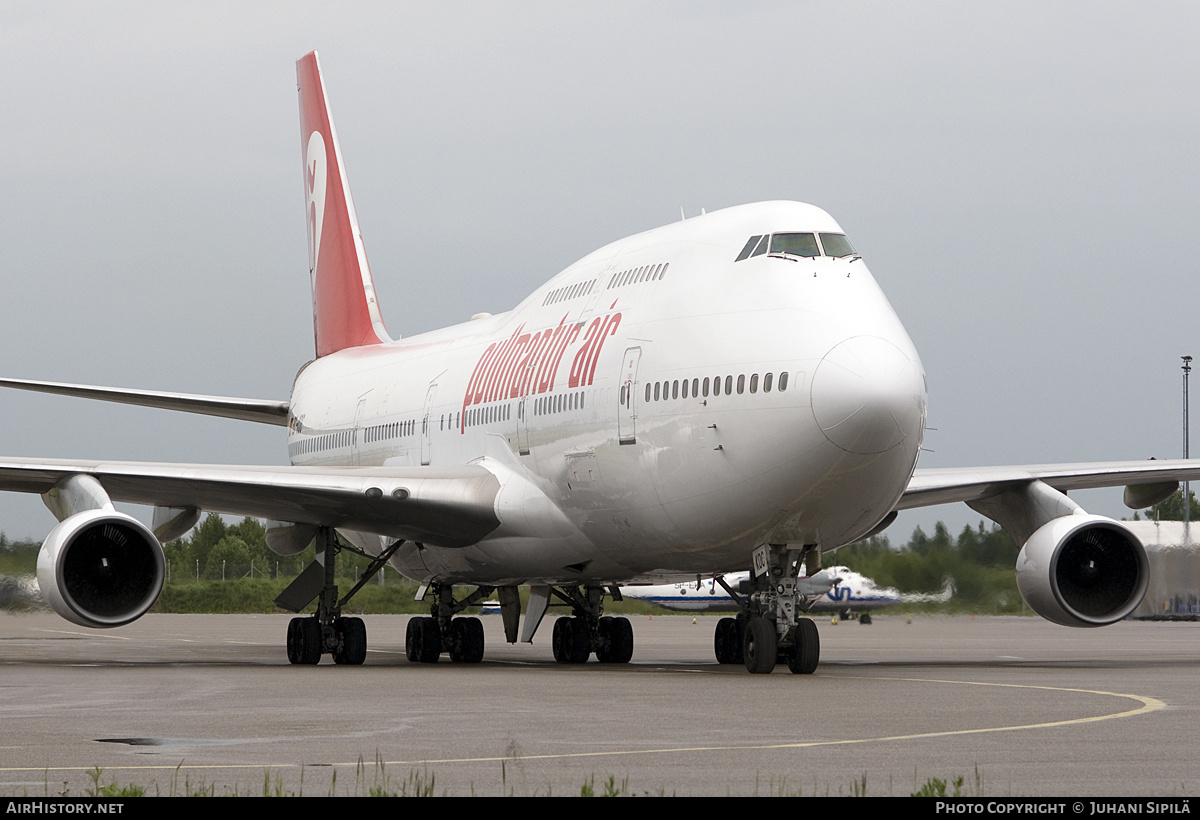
1083, 570
101, 568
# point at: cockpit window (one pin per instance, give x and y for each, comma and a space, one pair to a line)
750, 243
795, 244
836, 244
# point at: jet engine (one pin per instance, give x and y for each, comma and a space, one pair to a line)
100, 568
1082, 570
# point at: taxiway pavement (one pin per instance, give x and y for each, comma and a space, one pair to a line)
1015, 706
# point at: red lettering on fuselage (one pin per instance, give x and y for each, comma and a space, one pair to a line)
526, 365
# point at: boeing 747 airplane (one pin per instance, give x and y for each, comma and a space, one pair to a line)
730, 392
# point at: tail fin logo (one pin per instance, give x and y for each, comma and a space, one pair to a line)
315, 174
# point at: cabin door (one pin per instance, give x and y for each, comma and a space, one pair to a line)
427, 425
627, 397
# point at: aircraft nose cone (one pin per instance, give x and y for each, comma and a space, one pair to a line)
868, 396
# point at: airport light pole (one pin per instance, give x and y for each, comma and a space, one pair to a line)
1187, 497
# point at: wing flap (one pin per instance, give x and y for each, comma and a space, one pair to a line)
452, 506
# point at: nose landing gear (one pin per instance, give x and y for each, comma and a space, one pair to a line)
769, 629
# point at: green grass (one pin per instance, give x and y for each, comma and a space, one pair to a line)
375, 780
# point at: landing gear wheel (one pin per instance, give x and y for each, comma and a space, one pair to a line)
304, 641
804, 656
727, 641
410, 641
865, 619
615, 644
571, 642
759, 646
562, 639
423, 640
352, 641
466, 644
293, 641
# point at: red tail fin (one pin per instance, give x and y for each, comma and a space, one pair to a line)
345, 311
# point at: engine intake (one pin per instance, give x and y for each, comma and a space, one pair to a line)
101, 568
1083, 570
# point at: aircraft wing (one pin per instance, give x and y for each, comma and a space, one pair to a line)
449, 506
260, 410
947, 485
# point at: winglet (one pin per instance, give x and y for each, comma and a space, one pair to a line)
345, 310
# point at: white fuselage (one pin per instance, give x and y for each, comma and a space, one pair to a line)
833, 589
597, 396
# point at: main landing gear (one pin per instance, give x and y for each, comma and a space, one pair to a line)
326, 632
461, 638
589, 629
769, 628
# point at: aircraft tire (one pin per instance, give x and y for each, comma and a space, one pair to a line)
759, 646
571, 642
304, 641
467, 646
581, 647
805, 654
616, 640
561, 640
293, 648
410, 641
353, 641
727, 642
865, 619
423, 640
604, 639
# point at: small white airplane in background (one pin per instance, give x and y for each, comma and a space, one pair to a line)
724, 393
835, 589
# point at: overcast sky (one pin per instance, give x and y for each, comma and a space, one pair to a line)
1022, 179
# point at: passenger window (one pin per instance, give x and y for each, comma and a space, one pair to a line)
767, 383
705, 387
783, 381
754, 383
675, 389
741, 384
729, 385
